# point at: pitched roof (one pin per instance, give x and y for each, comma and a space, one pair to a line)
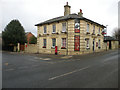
70, 16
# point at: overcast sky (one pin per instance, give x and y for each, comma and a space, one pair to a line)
31, 12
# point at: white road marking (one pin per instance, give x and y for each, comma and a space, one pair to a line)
22, 67
46, 59
68, 73
110, 58
10, 69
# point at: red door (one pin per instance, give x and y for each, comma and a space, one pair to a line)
77, 43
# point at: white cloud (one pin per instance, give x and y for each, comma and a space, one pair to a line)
31, 12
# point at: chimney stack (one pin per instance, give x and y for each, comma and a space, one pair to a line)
67, 9
80, 13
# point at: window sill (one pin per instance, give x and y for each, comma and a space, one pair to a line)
87, 32
44, 46
98, 35
87, 48
53, 47
64, 32
93, 33
55, 33
63, 47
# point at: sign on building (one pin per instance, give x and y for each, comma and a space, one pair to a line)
77, 43
77, 26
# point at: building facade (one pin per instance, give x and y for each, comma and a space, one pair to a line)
73, 34
28, 36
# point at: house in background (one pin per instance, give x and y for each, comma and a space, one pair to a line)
73, 34
111, 43
28, 36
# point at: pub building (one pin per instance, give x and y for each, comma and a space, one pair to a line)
71, 34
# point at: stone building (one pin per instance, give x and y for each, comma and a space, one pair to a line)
73, 34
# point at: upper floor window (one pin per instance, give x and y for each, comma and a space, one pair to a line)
87, 27
45, 29
63, 42
99, 31
54, 28
63, 27
93, 29
53, 42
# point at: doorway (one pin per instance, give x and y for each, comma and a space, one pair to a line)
93, 44
110, 45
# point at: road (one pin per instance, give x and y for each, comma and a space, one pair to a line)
97, 70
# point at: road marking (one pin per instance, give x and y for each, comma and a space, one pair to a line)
110, 58
46, 59
68, 73
10, 69
22, 67
65, 57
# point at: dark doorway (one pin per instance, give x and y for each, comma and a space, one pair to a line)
93, 44
110, 46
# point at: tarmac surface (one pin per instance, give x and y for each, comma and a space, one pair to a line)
96, 70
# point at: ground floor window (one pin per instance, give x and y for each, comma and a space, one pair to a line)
63, 43
77, 43
44, 43
87, 43
99, 44
53, 42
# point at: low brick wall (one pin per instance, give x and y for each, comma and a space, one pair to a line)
31, 48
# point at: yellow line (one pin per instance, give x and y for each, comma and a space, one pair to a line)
67, 73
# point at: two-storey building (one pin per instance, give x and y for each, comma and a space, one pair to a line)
73, 34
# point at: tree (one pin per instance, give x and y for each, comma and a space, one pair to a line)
33, 40
14, 33
116, 33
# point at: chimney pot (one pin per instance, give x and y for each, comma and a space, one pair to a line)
66, 3
80, 10
80, 13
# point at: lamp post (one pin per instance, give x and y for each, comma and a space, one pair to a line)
106, 30
106, 35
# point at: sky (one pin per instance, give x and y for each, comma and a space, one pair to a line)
31, 12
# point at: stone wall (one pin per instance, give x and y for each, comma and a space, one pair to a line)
48, 36
31, 48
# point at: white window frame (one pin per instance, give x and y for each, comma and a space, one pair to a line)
53, 42
99, 31
54, 28
87, 44
88, 26
63, 43
93, 29
99, 43
45, 29
44, 42
63, 27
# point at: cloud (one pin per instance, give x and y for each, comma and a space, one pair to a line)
31, 12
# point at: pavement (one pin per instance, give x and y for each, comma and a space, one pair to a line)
96, 70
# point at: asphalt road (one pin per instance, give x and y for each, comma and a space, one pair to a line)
97, 70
